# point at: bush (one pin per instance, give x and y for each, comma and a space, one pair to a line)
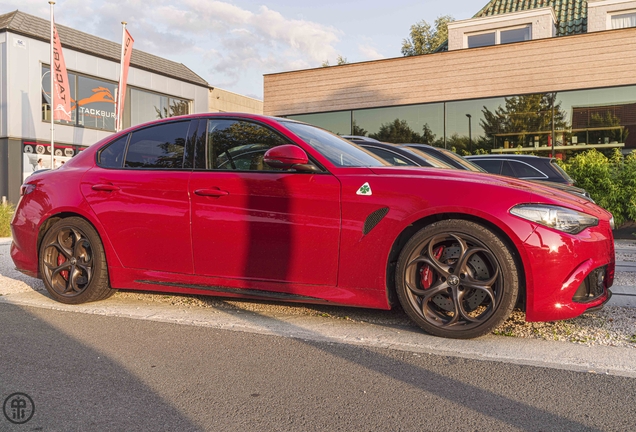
6, 213
611, 182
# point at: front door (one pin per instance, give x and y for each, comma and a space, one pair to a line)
250, 221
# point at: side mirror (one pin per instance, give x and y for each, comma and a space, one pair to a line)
289, 156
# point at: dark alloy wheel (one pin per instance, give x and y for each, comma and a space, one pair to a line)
457, 279
73, 264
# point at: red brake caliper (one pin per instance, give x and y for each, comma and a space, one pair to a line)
60, 260
428, 277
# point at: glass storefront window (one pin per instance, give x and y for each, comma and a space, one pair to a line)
408, 124
93, 103
96, 103
46, 95
336, 122
146, 106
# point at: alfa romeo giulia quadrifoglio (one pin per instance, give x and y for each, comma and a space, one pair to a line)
248, 206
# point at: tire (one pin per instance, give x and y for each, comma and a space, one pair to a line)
457, 279
73, 263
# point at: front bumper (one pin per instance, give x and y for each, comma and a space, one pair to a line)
564, 272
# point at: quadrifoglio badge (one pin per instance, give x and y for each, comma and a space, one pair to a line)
365, 189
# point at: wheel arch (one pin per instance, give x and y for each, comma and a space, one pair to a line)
111, 256
418, 224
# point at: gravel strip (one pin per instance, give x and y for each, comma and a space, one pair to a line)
612, 326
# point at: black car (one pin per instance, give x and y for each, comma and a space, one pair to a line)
524, 167
423, 154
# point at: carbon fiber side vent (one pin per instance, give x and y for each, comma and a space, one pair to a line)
373, 219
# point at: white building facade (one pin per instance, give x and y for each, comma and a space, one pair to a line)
156, 88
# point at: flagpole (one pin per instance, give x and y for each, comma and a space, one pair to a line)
121, 76
52, 94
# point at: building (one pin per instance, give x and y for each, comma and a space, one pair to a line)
226, 101
156, 88
521, 75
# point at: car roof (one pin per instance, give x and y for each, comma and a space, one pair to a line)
506, 156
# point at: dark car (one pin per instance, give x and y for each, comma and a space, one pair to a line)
403, 156
525, 167
421, 153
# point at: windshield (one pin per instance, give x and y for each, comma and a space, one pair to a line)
338, 151
561, 171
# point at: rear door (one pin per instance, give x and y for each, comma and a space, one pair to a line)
139, 192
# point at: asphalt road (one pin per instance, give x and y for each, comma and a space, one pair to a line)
96, 373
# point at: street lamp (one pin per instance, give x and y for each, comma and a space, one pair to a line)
470, 134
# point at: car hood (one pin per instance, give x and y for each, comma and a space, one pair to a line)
540, 193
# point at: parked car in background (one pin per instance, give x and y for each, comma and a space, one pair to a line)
452, 159
247, 206
525, 167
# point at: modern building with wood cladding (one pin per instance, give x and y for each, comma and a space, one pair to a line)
518, 76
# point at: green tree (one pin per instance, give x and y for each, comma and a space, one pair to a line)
428, 137
340, 60
424, 38
357, 130
397, 131
526, 114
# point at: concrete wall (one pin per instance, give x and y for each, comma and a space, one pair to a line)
25, 58
541, 20
592, 60
598, 18
224, 101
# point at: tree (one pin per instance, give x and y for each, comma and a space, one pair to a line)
340, 60
428, 137
524, 115
357, 130
425, 38
397, 131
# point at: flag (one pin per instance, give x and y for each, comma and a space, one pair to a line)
126, 53
61, 94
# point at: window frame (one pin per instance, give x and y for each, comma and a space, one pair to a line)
202, 129
190, 137
497, 33
614, 13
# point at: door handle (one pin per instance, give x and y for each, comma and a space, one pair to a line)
211, 192
105, 187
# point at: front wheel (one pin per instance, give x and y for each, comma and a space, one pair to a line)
73, 262
457, 279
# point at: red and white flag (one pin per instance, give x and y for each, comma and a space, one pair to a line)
126, 53
61, 94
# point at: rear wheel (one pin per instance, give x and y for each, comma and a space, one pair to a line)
457, 279
73, 263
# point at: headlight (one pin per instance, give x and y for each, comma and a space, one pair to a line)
560, 218
612, 224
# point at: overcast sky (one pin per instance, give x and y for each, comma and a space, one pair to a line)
232, 43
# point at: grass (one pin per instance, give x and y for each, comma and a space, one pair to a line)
6, 212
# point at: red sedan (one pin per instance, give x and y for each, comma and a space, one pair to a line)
248, 206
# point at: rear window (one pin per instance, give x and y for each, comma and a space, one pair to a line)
492, 166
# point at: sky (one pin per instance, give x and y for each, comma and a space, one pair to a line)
233, 43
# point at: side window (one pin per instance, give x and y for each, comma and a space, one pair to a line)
524, 170
390, 157
112, 156
507, 169
240, 145
492, 166
159, 147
